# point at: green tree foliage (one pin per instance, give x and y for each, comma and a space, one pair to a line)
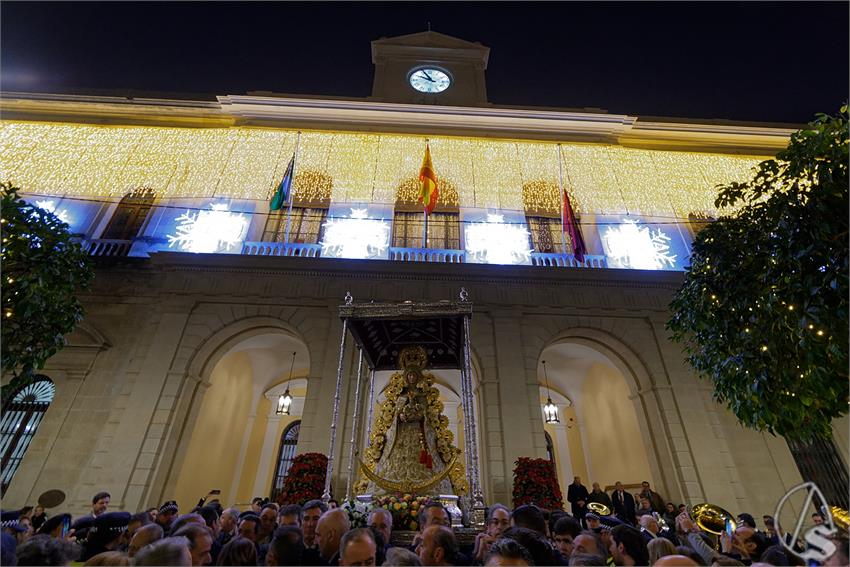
763, 309
42, 271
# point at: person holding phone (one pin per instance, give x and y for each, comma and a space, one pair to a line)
213, 492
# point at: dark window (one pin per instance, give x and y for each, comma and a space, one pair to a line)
306, 225
550, 450
130, 215
288, 442
21, 418
820, 463
443, 230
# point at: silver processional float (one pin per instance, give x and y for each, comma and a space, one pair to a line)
409, 449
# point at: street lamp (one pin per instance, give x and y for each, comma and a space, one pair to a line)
284, 402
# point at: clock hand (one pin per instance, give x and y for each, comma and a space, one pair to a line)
427, 76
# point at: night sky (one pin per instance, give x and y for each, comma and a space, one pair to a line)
753, 61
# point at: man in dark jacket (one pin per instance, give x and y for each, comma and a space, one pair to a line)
598, 495
577, 496
624, 504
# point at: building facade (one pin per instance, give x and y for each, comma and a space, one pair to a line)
207, 306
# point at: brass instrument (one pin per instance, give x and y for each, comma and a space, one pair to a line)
662, 523
599, 508
840, 517
712, 518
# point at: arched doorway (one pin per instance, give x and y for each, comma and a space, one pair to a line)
598, 437
235, 437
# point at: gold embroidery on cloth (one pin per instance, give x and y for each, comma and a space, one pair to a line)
405, 408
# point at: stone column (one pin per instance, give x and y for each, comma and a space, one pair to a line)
270, 445
565, 462
519, 394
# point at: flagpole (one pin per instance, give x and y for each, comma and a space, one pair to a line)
425, 213
292, 190
425, 230
563, 196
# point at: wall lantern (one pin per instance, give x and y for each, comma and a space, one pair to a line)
284, 402
550, 410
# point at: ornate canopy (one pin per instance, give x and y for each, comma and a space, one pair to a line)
382, 330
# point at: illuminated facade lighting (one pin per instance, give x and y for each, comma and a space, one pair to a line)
356, 237
497, 242
639, 247
215, 230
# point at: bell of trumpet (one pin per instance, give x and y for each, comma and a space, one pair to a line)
712, 518
599, 508
840, 517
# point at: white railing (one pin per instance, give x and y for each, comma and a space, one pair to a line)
567, 260
281, 249
107, 247
438, 255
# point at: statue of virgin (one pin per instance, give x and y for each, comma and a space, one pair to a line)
411, 450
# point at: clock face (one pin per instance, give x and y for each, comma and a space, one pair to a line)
429, 80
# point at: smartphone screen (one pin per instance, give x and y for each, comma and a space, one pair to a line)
729, 528
66, 526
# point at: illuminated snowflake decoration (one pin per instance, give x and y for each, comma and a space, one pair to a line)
496, 242
216, 230
49, 205
356, 237
631, 245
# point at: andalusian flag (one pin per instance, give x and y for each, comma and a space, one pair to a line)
282, 193
428, 191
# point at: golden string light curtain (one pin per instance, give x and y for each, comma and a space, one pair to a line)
246, 163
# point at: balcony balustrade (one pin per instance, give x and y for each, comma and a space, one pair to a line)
567, 260
119, 248
106, 247
437, 255
281, 249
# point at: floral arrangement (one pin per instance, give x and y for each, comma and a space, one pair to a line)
404, 508
358, 512
535, 482
305, 479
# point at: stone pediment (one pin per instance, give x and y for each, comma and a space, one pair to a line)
430, 39
429, 44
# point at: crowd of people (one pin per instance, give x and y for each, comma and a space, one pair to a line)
639, 530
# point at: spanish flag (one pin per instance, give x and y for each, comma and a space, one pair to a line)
428, 191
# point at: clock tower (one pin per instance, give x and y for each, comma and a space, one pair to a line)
429, 68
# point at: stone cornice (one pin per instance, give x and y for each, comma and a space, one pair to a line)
701, 137
430, 119
112, 110
422, 271
372, 116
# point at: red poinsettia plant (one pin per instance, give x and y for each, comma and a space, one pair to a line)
305, 479
535, 482
404, 508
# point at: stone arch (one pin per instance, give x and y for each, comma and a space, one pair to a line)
211, 331
216, 346
621, 355
86, 335
642, 386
